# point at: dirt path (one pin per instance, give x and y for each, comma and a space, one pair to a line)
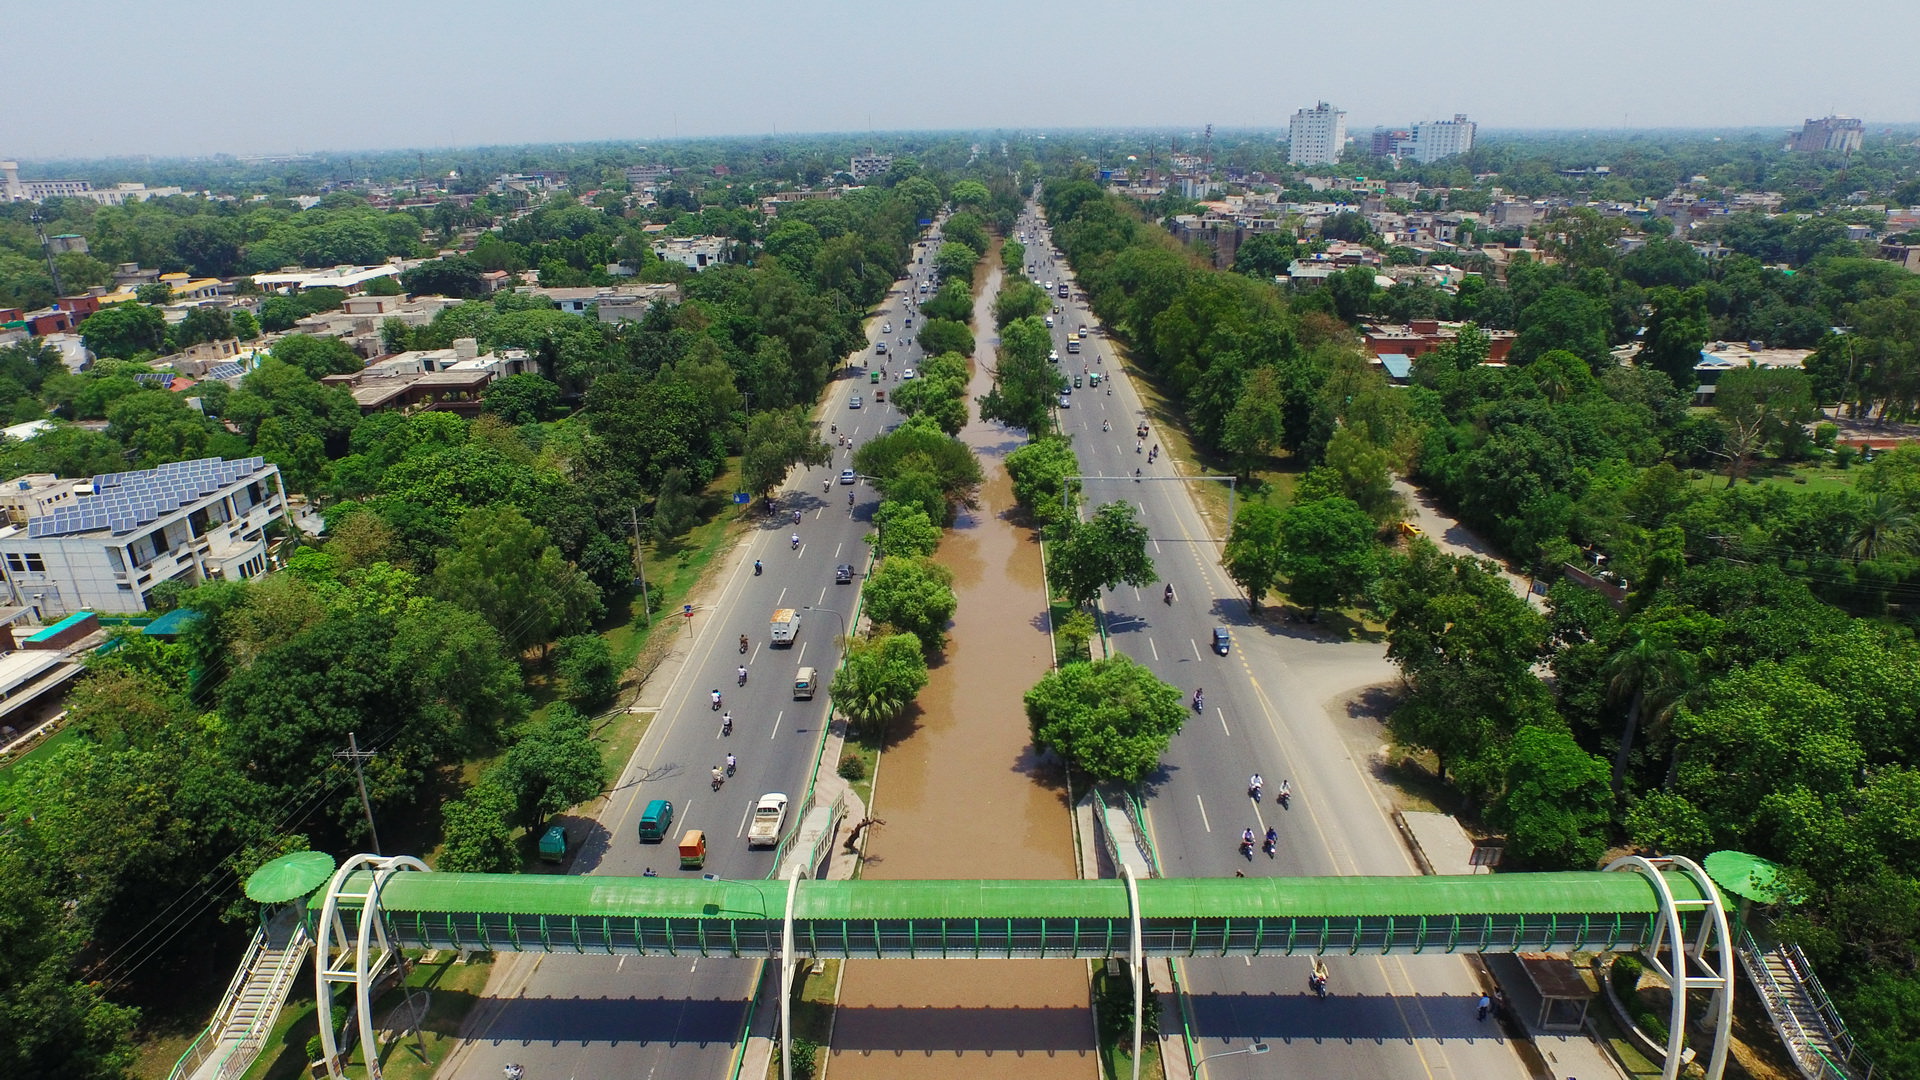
960, 798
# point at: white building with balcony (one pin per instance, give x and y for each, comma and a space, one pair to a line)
1316, 136
106, 546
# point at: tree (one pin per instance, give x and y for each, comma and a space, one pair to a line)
1676, 329
1886, 527
202, 324
968, 229
1257, 423
157, 293
1353, 291
455, 275
1101, 553
1025, 382
1563, 318
939, 336
940, 393
396, 336
919, 463
1655, 677
969, 193
880, 678
1265, 255
1254, 550
56, 1025
319, 357
1328, 552
1365, 474
503, 568
955, 261
1039, 471
476, 836
245, 326
902, 528
554, 764
914, 595
526, 398
1111, 719
777, 440
1555, 807
586, 670
124, 330
1019, 299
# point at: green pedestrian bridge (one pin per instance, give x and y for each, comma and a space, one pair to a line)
362, 914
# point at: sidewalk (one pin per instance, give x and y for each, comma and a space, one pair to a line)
1443, 847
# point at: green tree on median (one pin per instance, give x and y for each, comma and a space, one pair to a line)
880, 679
1024, 381
1110, 719
914, 595
903, 528
1254, 550
1107, 551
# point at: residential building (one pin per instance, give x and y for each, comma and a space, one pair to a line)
639, 176
1907, 255
1436, 139
359, 319
1829, 134
106, 546
630, 303
1386, 143
14, 189
434, 380
351, 278
868, 165
696, 252
1719, 357
1316, 136
1422, 336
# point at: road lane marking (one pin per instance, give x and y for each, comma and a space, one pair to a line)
823, 597
1155, 648
744, 815
836, 554
1203, 812
1196, 648
803, 652
776, 723
783, 595
1223, 720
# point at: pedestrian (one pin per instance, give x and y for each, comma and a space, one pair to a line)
1486, 1003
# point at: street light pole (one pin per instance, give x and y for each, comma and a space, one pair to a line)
640, 564
1256, 1048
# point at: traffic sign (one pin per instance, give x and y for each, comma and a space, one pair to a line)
741, 498
687, 610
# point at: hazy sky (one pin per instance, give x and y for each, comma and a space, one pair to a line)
194, 78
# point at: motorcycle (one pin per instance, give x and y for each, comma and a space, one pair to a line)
743, 676
1199, 704
729, 764
796, 541
726, 725
756, 573
716, 701
743, 644
1169, 595
1246, 850
1284, 798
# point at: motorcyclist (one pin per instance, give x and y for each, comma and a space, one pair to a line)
1136, 476
1284, 793
743, 637
743, 674
1169, 592
1106, 425
726, 723
796, 541
756, 573
796, 517
716, 699
1273, 838
1198, 697
849, 498
1256, 784
716, 778
730, 764
1246, 839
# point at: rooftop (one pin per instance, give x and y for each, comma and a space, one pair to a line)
123, 502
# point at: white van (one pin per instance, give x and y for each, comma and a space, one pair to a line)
803, 684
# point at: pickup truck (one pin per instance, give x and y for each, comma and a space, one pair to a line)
786, 625
768, 815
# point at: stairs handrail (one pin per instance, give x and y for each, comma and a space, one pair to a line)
1813, 1063
1836, 1027
203, 1045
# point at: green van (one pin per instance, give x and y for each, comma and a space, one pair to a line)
553, 845
655, 821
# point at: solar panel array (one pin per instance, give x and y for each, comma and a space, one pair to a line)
123, 502
162, 379
220, 372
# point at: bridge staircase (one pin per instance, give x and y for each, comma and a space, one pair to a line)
229, 1045
1808, 1024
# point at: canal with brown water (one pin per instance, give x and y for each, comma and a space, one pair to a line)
963, 797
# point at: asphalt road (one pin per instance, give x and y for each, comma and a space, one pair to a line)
637, 1017
1266, 709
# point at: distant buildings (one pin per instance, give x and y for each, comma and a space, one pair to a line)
868, 165
103, 545
431, 380
694, 252
1436, 139
14, 189
1832, 134
1316, 136
1385, 143
351, 278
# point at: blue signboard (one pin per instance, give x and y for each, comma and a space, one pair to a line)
742, 497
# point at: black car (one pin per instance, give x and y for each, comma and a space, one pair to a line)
1220, 640
843, 574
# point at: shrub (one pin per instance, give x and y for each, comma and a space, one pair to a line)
804, 1052
852, 767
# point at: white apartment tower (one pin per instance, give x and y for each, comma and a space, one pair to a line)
1436, 139
1316, 136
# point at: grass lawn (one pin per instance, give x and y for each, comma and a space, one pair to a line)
1809, 476
448, 989
1116, 1057
813, 1002
43, 748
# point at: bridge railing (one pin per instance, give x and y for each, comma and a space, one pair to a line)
1805, 1046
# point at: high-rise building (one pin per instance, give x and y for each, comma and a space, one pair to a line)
869, 164
1836, 134
1316, 136
1388, 143
1436, 139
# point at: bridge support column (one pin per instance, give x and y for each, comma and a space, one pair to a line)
1710, 948
786, 976
1136, 957
359, 959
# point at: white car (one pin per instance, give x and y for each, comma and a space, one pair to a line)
907, 374
1047, 285
847, 476
886, 328
1053, 356
768, 815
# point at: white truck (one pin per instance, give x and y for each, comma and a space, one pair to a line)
768, 815
786, 625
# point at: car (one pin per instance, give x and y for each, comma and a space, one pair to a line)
1048, 285
848, 476
768, 815
880, 348
886, 328
909, 322
1053, 356
1076, 381
854, 402
907, 374
1066, 402
843, 573
1220, 640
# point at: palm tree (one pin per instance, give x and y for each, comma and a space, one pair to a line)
1886, 528
1655, 677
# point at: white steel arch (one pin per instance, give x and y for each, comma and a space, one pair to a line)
359, 958
1704, 962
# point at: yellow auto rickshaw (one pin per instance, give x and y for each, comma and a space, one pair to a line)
693, 849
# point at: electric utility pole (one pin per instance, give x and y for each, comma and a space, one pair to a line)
356, 755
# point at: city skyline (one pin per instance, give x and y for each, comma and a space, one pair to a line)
368, 78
